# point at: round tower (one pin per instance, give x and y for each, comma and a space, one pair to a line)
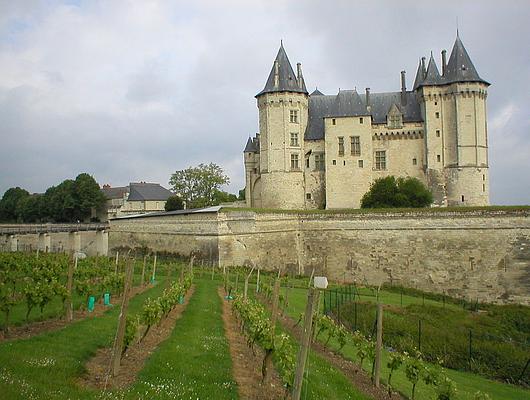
283, 105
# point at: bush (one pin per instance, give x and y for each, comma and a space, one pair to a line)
174, 203
390, 192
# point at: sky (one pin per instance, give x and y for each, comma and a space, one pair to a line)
134, 90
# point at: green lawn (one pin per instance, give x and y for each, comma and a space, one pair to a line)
194, 362
468, 384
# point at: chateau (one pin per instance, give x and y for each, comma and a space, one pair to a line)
324, 151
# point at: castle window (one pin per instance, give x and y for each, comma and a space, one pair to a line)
437, 132
341, 146
334, 121
462, 198
294, 139
319, 162
293, 116
438, 158
435, 103
437, 115
334, 162
483, 177
414, 161
355, 145
308, 196
380, 160
361, 120
361, 164
307, 162
294, 162
344, 163
483, 187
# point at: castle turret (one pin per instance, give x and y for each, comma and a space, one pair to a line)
282, 105
454, 111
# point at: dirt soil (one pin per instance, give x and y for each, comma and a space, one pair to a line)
98, 367
246, 363
359, 378
36, 328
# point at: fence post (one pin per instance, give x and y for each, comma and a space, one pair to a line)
257, 283
312, 300
275, 299
470, 347
419, 335
118, 343
142, 281
378, 344
69, 285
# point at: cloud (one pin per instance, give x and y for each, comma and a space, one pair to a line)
131, 90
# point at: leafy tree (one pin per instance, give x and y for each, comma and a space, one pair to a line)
87, 195
30, 208
174, 203
197, 185
390, 192
9, 203
220, 196
241, 194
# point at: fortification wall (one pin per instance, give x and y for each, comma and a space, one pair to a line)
482, 255
183, 234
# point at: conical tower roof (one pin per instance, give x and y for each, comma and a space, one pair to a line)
249, 148
460, 68
432, 77
287, 80
419, 77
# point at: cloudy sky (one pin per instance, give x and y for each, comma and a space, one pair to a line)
134, 90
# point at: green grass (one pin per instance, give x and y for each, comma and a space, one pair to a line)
194, 362
46, 366
468, 384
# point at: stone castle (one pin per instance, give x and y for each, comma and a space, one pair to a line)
324, 151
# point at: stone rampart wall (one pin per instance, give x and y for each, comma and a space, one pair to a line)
482, 255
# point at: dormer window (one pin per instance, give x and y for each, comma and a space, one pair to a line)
394, 118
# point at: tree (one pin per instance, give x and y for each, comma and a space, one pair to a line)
87, 195
197, 185
390, 192
241, 194
174, 203
30, 208
9, 203
220, 196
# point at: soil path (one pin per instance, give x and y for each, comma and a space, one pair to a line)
246, 363
36, 328
359, 378
98, 368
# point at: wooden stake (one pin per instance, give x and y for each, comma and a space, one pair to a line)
213, 271
116, 265
120, 333
378, 344
69, 286
142, 280
275, 300
312, 300
311, 277
246, 283
257, 283
154, 269
191, 264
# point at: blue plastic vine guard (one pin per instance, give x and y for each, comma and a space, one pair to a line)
91, 303
106, 299
181, 299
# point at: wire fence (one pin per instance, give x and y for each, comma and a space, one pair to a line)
448, 335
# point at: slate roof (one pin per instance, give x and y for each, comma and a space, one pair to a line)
419, 77
348, 103
432, 76
288, 81
252, 145
460, 68
317, 92
115, 192
147, 191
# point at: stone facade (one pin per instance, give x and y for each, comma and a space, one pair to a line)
482, 255
318, 151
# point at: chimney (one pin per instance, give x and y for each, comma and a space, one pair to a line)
368, 106
403, 89
444, 63
299, 73
423, 70
276, 74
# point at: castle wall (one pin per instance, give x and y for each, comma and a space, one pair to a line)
482, 255
314, 179
346, 180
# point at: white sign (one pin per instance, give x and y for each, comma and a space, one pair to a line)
320, 282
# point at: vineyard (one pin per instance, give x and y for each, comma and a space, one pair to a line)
140, 327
